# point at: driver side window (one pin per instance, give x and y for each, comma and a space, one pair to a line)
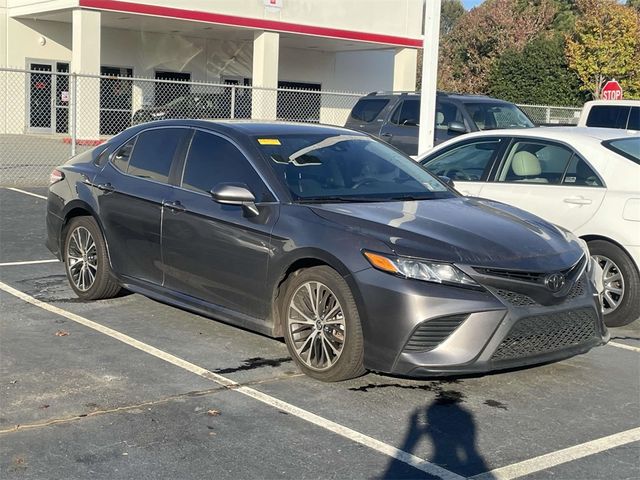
469, 162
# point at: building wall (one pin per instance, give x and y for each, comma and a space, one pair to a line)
207, 60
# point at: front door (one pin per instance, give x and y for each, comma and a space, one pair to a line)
547, 179
213, 252
41, 97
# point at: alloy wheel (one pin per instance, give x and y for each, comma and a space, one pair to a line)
613, 283
82, 259
316, 324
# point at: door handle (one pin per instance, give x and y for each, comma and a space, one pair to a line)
387, 135
578, 200
105, 187
175, 207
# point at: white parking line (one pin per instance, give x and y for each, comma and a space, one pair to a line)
26, 193
625, 346
508, 472
357, 437
553, 459
28, 262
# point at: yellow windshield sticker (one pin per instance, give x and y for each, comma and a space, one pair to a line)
269, 141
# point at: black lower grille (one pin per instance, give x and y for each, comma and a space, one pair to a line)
547, 333
516, 299
432, 333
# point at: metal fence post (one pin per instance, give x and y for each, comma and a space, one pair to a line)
233, 101
74, 113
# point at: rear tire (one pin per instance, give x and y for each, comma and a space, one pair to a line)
322, 327
620, 274
86, 260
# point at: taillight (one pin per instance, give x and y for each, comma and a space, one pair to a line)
56, 176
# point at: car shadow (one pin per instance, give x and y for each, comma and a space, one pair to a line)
449, 428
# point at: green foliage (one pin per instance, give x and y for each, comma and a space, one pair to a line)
537, 75
450, 13
483, 34
606, 45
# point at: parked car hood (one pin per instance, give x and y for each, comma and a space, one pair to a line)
461, 230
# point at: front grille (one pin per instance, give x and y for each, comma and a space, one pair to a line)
577, 290
516, 299
526, 276
432, 333
547, 333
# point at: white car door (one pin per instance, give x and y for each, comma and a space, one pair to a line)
467, 163
548, 179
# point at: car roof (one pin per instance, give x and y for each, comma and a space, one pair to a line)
623, 103
259, 127
566, 134
459, 97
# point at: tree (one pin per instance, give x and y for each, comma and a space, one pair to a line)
538, 74
480, 37
606, 45
450, 13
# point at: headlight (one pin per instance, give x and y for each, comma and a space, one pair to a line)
420, 269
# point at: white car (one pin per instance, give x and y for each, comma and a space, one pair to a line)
624, 114
586, 180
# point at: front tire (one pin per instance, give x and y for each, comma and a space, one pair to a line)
621, 298
322, 326
86, 260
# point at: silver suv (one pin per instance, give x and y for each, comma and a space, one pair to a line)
394, 117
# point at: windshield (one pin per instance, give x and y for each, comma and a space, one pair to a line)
347, 168
489, 116
628, 147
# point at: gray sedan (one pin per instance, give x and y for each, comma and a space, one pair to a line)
348, 249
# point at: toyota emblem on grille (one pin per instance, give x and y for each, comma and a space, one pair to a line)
554, 282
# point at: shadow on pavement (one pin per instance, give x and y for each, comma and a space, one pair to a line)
450, 428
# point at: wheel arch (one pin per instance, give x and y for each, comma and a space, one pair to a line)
293, 265
79, 208
591, 237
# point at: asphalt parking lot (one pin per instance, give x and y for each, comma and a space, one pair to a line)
132, 388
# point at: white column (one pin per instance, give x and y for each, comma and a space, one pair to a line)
429, 75
85, 59
404, 69
266, 46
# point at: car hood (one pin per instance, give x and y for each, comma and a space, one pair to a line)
462, 230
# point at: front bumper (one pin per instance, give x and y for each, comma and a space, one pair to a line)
418, 329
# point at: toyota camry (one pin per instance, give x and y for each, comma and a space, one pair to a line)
339, 243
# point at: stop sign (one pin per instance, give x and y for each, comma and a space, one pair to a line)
611, 91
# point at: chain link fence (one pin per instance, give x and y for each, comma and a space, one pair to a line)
48, 116
547, 115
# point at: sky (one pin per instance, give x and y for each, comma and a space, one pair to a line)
468, 4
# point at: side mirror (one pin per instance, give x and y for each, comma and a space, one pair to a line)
447, 181
235, 194
457, 127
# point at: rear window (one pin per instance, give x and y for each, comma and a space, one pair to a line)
634, 119
367, 109
608, 116
627, 147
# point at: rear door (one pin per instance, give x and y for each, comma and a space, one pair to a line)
131, 190
213, 252
401, 130
549, 179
